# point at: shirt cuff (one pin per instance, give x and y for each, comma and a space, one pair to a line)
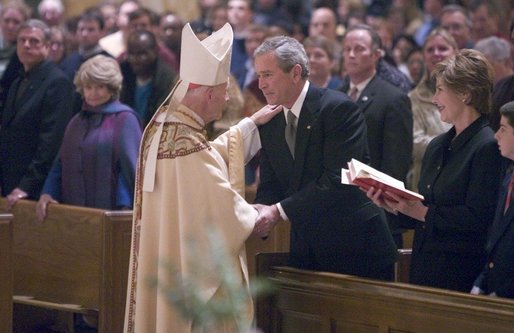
281, 211
247, 126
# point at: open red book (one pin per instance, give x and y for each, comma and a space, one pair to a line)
363, 175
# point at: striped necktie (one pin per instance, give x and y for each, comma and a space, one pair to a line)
508, 197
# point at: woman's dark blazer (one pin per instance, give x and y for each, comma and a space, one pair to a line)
459, 179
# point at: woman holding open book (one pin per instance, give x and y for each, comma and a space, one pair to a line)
460, 174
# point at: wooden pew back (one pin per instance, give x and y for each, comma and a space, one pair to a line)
6, 277
76, 260
325, 302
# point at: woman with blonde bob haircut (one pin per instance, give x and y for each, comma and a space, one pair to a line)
460, 175
96, 163
100, 70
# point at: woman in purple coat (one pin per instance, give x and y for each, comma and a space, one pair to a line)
96, 163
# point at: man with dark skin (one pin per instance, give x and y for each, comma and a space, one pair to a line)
146, 79
170, 28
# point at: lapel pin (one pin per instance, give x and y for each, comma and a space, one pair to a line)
364, 98
308, 127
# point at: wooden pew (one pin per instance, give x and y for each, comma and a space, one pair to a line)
324, 302
75, 261
6, 277
402, 266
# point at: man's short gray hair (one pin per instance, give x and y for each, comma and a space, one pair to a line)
289, 52
37, 24
494, 48
57, 4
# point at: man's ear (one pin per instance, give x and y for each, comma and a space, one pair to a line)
209, 91
297, 72
379, 53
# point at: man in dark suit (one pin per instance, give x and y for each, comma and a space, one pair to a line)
36, 112
386, 108
334, 227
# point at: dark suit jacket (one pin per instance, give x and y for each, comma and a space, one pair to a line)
162, 83
503, 92
334, 227
10, 74
32, 129
388, 114
459, 179
498, 273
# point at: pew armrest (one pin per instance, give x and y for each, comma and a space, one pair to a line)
75, 308
402, 266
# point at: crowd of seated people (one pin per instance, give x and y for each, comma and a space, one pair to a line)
456, 163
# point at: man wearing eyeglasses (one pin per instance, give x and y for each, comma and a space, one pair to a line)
36, 111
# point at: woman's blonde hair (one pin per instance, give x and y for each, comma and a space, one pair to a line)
470, 73
100, 69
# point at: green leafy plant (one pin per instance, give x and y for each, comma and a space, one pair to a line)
186, 297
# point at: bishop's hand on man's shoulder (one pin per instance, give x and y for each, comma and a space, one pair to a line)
265, 114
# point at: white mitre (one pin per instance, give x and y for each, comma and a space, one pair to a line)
206, 63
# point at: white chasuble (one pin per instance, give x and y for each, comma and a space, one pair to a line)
197, 189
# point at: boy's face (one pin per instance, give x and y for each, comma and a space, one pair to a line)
505, 138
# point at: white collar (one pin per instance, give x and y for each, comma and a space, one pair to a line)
362, 85
297, 106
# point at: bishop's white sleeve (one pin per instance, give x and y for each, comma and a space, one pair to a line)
251, 138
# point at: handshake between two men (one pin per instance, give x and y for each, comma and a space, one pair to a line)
268, 217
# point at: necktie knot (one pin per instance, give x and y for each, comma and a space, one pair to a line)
291, 118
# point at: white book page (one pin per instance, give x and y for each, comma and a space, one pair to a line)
364, 170
345, 177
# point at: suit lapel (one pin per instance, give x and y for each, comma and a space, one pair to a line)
10, 108
309, 113
367, 95
13, 106
501, 221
